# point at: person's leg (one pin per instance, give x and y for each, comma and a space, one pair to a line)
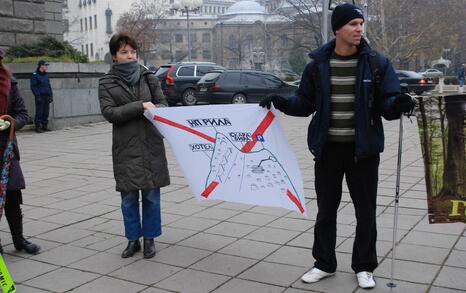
45, 117
38, 116
14, 217
151, 220
131, 216
132, 221
328, 184
362, 180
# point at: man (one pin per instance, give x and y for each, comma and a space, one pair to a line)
40, 86
345, 136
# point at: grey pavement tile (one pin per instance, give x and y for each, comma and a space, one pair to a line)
444, 290
39, 212
19, 273
63, 255
34, 228
273, 273
405, 222
450, 228
96, 209
109, 285
192, 281
89, 224
419, 253
174, 235
430, 239
23, 288
451, 278
66, 218
231, 229
250, 248
292, 256
166, 218
207, 241
69, 204
408, 271
401, 287
386, 234
180, 255
104, 244
61, 280
110, 226
193, 223
235, 206
217, 213
223, 264
101, 263
65, 234
182, 209
272, 235
249, 218
145, 272
339, 283
293, 290
457, 258
238, 285
292, 224
461, 244
155, 290
304, 240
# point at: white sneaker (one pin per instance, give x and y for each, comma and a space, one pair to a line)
315, 275
365, 280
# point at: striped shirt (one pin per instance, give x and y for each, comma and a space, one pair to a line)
343, 80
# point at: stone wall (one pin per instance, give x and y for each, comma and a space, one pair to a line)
74, 88
25, 21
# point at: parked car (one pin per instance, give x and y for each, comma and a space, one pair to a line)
415, 81
178, 80
432, 73
240, 86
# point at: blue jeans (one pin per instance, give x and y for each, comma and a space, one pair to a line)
41, 118
151, 221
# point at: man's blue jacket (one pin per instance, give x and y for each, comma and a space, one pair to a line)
40, 85
313, 97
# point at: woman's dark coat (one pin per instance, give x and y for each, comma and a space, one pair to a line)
138, 152
17, 110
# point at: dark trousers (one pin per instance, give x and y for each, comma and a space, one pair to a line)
338, 159
13, 214
42, 112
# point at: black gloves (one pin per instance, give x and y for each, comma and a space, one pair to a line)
404, 103
279, 102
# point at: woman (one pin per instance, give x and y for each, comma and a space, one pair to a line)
138, 152
12, 103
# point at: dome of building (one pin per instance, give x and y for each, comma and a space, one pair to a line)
245, 7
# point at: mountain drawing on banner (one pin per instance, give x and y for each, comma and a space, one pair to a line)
253, 171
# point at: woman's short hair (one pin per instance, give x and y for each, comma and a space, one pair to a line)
119, 40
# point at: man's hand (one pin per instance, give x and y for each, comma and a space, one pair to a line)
4, 125
404, 103
148, 105
279, 102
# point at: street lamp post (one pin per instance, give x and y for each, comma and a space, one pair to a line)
187, 6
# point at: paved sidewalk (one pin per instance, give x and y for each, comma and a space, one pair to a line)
72, 210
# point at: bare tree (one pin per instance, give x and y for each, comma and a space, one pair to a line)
142, 21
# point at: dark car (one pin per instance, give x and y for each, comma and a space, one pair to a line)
240, 86
415, 81
178, 80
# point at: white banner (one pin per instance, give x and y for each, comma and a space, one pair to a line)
235, 153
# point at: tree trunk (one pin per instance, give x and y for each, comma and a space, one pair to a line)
426, 146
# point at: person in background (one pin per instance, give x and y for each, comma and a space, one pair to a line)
345, 136
40, 87
12, 103
138, 151
461, 75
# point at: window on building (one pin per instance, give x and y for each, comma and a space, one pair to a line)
89, 2
206, 37
66, 25
84, 2
166, 54
94, 1
193, 38
284, 40
90, 22
232, 41
82, 49
95, 20
194, 53
92, 49
87, 49
179, 55
179, 38
85, 23
210, 9
206, 54
81, 21
165, 37
80, 4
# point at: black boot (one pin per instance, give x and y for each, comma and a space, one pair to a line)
149, 248
15, 221
39, 129
131, 249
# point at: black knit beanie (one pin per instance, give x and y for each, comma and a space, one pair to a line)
344, 13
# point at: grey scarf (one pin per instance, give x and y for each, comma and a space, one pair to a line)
128, 71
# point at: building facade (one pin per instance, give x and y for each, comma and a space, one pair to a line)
23, 22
